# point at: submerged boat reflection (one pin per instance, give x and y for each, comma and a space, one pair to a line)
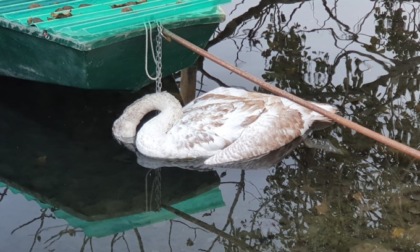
55, 150
85, 205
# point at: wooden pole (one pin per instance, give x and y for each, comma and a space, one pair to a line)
187, 85
336, 118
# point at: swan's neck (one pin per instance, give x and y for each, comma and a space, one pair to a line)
154, 131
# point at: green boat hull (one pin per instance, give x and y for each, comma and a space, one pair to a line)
99, 44
120, 65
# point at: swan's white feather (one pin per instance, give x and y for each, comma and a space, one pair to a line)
225, 125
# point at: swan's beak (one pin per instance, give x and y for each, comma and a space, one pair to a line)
129, 144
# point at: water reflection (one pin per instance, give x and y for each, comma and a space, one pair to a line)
76, 172
363, 58
262, 162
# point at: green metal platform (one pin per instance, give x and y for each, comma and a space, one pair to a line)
97, 44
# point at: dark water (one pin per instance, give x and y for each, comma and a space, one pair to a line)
68, 186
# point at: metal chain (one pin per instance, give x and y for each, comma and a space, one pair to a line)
154, 202
157, 190
157, 182
159, 58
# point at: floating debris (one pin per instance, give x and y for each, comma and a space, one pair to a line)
412, 234
84, 5
190, 242
34, 5
41, 161
128, 4
283, 17
358, 196
323, 208
398, 233
32, 21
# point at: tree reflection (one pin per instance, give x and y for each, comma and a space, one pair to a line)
3, 194
45, 214
67, 231
323, 201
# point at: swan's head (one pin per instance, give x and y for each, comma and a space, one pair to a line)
125, 127
124, 131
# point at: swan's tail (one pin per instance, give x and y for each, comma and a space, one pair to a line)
318, 117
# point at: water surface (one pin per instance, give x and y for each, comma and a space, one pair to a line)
68, 186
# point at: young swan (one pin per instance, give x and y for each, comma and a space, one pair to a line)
224, 125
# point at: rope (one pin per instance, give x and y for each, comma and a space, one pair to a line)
156, 58
146, 57
336, 118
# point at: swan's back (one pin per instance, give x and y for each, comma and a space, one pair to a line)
211, 125
244, 124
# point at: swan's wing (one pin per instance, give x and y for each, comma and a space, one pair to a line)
272, 130
211, 127
208, 99
221, 95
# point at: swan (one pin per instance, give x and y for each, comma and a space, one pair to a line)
222, 126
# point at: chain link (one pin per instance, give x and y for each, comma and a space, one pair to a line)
159, 58
157, 191
154, 194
